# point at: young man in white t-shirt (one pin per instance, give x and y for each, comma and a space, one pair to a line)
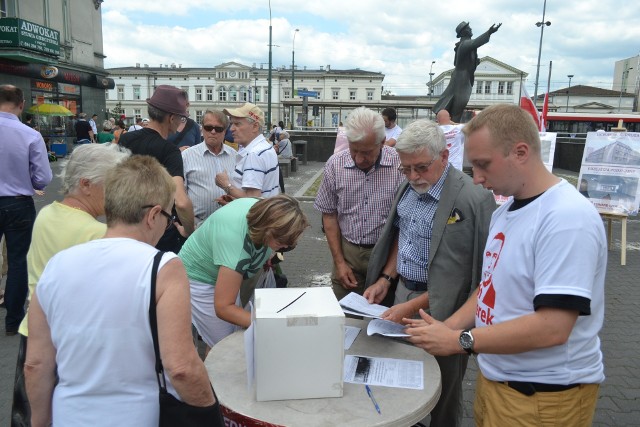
391, 130
535, 317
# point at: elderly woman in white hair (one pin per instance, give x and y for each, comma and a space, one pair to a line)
63, 224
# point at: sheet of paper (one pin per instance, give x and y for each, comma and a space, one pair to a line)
386, 328
358, 305
384, 372
350, 335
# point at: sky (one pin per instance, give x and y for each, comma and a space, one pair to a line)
398, 38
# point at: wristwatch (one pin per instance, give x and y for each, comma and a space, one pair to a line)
227, 189
466, 341
387, 278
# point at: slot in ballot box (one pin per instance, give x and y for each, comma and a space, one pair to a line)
298, 343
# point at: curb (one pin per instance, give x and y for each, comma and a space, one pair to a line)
300, 193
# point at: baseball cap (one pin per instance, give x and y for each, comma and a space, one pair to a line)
170, 99
248, 110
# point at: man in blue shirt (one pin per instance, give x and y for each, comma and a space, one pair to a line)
24, 168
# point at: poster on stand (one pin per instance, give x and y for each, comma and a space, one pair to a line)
610, 172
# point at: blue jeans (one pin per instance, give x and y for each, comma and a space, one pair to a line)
17, 215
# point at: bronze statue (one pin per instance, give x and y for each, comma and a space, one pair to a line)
456, 96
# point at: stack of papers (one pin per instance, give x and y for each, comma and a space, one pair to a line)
358, 305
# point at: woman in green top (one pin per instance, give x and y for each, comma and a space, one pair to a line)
105, 134
232, 245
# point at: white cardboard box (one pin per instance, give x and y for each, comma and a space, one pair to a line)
298, 350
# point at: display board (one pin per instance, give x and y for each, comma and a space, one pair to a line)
610, 171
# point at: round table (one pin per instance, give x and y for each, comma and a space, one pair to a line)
400, 407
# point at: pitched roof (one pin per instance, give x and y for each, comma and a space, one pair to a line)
583, 90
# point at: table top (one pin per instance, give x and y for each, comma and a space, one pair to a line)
400, 407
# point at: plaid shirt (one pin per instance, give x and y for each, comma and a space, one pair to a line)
361, 200
415, 222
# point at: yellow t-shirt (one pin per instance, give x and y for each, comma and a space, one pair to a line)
57, 227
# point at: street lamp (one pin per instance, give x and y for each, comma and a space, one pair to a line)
431, 79
568, 92
293, 67
270, 66
540, 24
255, 87
623, 85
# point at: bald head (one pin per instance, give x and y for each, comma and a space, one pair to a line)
443, 118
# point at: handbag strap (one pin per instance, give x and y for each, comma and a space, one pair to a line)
153, 321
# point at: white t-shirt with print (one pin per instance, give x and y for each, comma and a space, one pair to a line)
455, 144
554, 245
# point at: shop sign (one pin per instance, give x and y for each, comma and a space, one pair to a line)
18, 33
68, 89
43, 85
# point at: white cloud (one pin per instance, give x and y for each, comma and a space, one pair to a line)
399, 39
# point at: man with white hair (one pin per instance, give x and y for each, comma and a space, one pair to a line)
432, 242
283, 146
355, 197
256, 173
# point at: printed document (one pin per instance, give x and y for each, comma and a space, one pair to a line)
359, 306
384, 372
386, 328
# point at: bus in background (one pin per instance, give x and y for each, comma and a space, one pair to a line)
581, 123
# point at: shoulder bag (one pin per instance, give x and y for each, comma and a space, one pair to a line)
174, 412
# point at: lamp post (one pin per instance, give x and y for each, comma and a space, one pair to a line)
293, 74
270, 66
540, 24
255, 87
431, 87
623, 85
568, 92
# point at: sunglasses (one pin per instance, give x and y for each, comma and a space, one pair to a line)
209, 128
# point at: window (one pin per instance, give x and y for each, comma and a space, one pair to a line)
319, 93
106, 95
479, 85
509, 88
222, 94
487, 88
136, 92
286, 94
352, 95
210, 94
369, 95
243, 75
222, 74
120, 92
199, 115
3, 8
137, 113
244, 94
199, 94
233, 93
335, 94
257, 94
500, 88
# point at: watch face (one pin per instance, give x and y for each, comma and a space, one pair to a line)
232, 73
466, 341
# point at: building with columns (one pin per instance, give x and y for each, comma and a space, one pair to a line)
231, 83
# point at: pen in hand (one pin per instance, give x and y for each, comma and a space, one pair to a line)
373, 399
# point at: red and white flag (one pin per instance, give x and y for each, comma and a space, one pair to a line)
527, 104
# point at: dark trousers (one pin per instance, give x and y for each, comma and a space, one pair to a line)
17, 215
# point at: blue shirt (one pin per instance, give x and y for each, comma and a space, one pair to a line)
415, 222
24, 162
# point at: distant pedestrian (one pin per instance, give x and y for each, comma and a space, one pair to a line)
84, 132
137, 125
93, 124
391, 130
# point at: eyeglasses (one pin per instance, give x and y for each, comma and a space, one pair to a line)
209, 128
170, 218
420, 169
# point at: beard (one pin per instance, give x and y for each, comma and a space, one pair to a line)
420, 187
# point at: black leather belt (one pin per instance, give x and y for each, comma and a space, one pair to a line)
413, 285
363, 246
15, 197
529, 389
